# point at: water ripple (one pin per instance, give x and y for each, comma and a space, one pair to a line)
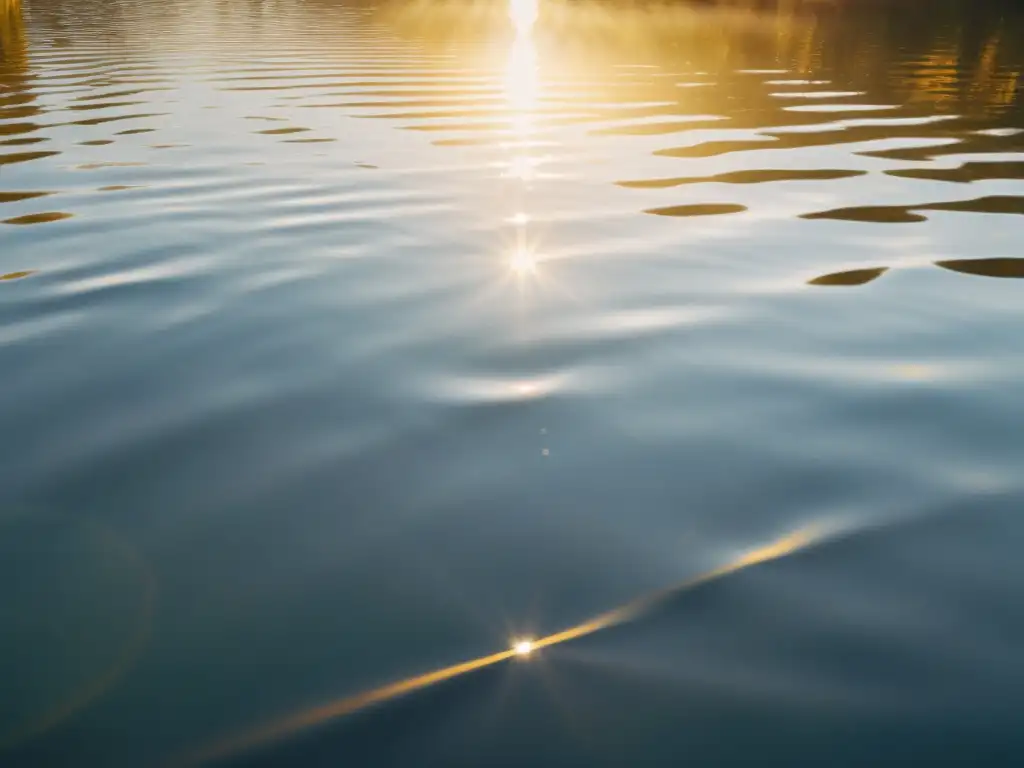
390, 332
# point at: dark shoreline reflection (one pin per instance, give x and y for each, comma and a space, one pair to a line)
966, 173
17, 275
997, 267
746, 177
18, 107
850, 277
1001, 267
37, 218
909, 214
701, 209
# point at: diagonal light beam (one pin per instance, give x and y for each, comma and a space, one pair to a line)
793, 542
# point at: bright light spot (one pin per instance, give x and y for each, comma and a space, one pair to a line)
523, 261
523, 13
520, 219
523, 647
522, 77
522, 167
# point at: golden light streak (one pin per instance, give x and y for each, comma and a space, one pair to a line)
334, 709
789, 544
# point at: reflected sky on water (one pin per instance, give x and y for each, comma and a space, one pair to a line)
347, 345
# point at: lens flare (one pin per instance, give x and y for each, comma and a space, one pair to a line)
523, 261
523, 647
792, 543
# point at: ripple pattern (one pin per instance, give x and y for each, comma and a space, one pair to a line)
385, 333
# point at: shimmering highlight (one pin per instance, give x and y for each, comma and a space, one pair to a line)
789, 544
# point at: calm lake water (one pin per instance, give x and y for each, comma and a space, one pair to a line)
342, 342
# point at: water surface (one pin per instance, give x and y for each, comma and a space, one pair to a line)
343, 341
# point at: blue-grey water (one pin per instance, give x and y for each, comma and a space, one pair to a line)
343, 341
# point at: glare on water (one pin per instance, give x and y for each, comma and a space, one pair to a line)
523, 13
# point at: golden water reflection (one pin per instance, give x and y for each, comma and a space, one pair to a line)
1000, 267
966, 60
523, 14
749, 92
521, 89
771, 80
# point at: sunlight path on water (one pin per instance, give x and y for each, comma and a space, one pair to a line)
791, 543
523, 14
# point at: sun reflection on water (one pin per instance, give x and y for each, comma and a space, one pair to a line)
523, 14
522, 261
521, 75
522, 85
521, 648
